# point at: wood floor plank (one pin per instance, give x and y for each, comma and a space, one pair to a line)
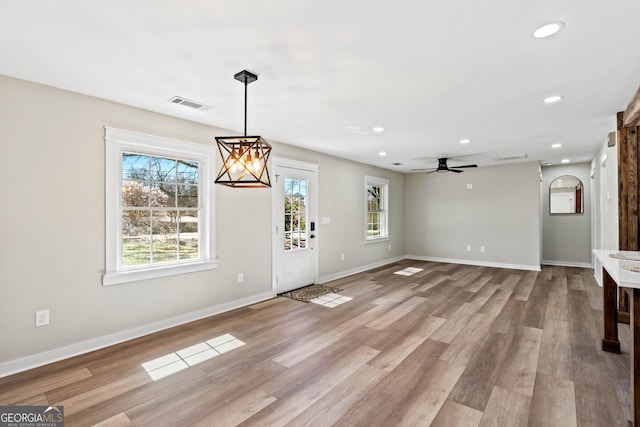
509, 317
585, 340
238, 410
289, 406
483, 294
40, 385
520, 364
388, 360
553, 403
428, 284
535, 311
555, 350
574, 281
466, 343
495, 304
476, 383
511, 282
506, 408
119, 420
454, 414
312, 346
91, 397
557, 306
525, 286
383, 399
478, 283
591, 408
338, 401
422, 406
396, 313
455, 324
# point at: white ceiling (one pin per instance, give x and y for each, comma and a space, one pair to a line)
430, 72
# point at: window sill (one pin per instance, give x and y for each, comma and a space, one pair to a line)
377, 240
117, 278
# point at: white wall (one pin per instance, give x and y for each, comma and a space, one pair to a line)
52, 228
566, 238
605, 168
501, 212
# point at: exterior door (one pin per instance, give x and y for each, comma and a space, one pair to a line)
295, 252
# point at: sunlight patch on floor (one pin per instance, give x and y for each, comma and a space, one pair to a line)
409, 271
331, 300
171, 363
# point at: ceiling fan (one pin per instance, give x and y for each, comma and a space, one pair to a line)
442, 167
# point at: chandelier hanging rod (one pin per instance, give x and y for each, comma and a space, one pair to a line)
245, 77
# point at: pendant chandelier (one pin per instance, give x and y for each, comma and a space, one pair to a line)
244, 158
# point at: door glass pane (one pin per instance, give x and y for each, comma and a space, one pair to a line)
295, 214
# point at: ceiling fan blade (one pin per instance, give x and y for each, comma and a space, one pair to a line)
454, 170
427, 173
422, 170
466, 166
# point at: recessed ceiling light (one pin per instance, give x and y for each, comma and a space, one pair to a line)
547, 30
565, 160
465, 141
382, 153
556, 145
378, 129
553, 98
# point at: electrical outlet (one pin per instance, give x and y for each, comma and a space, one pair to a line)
481, 248
389, 247
341, 257
240, 278
469, 186
468, 248
42, 318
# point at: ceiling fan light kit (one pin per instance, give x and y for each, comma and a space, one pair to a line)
244, 158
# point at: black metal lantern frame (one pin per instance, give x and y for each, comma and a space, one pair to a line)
244, 158
244, 161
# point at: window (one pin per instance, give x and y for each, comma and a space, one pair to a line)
159, 207
376, 208
295, 214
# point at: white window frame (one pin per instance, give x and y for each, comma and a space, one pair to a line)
120, 141
384, 223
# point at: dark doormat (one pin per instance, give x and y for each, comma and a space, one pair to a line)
310, 292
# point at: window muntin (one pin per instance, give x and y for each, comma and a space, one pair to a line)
160, 210
159, 205
295, 214
376, 208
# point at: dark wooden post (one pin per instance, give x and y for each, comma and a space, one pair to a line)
628, 198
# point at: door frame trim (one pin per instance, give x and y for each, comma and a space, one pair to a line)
277, 162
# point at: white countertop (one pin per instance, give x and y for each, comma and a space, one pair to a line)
615, 266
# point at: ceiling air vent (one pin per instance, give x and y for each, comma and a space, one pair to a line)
397, 164
188, 103
510, 158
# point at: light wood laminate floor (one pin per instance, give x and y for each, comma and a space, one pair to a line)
451, 345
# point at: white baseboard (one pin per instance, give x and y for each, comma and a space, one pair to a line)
567, 263
476, 262
360, 269
19, 365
